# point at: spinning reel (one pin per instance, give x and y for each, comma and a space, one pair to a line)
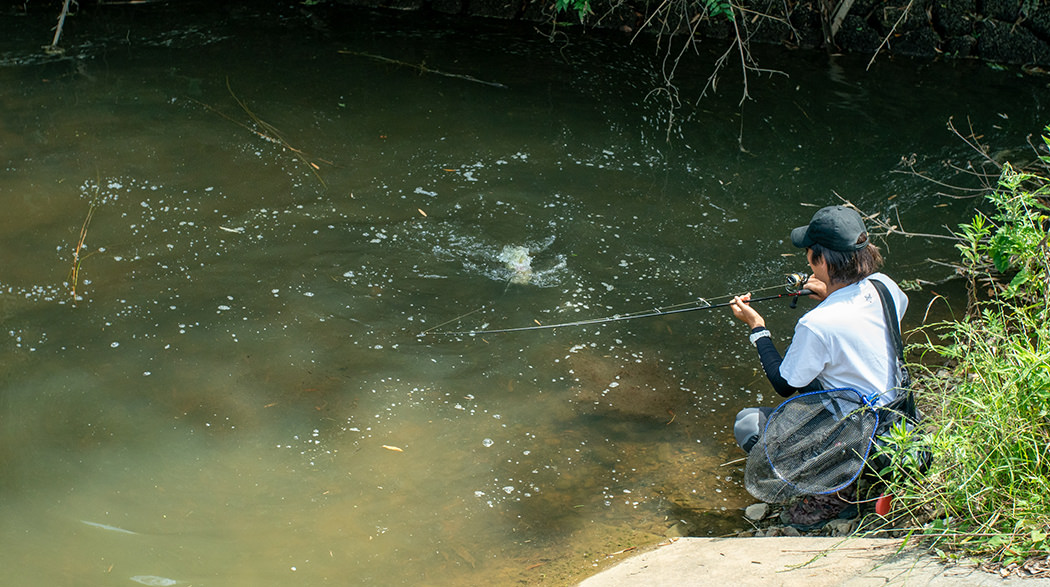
796, 283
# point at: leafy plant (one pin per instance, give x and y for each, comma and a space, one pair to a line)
581, 7
719, 8
1019, 243
902, 449
989, 486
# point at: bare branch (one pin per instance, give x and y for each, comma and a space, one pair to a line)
890, 34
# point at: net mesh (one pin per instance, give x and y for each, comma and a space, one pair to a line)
812, 444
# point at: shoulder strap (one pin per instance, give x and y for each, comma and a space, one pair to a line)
889, 310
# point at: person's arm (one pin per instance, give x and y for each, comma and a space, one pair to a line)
771, 359
767, 351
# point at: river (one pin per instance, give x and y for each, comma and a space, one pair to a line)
244, 248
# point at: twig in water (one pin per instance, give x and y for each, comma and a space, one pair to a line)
269, 128
421, 68
74, 271
268, 133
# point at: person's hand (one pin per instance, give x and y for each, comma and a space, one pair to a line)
818, 289
743, 311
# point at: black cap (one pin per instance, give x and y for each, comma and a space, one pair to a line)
835, 227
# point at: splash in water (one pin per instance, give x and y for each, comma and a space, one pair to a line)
518, 261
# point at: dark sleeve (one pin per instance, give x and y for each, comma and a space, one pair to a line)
771, 359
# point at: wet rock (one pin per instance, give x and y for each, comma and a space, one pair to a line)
1039, 21
756, 511
959, 47
903, 18
917, 43
840, 527
857, 36
1005, 10
1004, 43
953, 18
679, 530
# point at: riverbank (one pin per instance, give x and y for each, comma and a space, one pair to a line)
812, 561
996, 31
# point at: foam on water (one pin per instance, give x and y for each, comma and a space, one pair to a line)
154, 581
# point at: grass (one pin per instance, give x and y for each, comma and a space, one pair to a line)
984, 382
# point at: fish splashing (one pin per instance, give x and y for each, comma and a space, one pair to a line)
518, 262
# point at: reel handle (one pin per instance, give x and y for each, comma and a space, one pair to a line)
799, 294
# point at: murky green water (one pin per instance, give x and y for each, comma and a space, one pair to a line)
238, 394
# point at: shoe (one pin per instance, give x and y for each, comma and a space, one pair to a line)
750, 444
815, 511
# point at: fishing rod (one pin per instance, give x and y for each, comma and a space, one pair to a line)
796, 283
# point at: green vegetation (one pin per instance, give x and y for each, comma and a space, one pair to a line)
712, 8
985, 385
581, 7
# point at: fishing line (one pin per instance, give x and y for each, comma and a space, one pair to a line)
456, 319
795, 283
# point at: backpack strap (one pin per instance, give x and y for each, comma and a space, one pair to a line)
889, 310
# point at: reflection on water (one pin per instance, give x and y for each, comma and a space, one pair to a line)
238, 393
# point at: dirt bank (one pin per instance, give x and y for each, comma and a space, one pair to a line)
998, 31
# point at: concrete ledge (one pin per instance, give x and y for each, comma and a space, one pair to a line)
813, 562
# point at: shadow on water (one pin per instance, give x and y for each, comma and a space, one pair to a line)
240, 395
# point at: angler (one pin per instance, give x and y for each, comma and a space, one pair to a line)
843, 342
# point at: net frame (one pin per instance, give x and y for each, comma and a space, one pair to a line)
812, 444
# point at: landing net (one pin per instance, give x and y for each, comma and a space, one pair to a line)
814, 443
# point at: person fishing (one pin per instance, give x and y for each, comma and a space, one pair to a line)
844, 341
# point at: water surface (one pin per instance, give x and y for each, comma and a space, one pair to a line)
235, 391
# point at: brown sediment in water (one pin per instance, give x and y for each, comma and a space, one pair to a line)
628, 388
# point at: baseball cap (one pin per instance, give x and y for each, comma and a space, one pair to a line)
835, 227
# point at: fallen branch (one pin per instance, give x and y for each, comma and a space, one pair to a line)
53, 48
424, 69
876, 222
268, 132
890, 34
831, 20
